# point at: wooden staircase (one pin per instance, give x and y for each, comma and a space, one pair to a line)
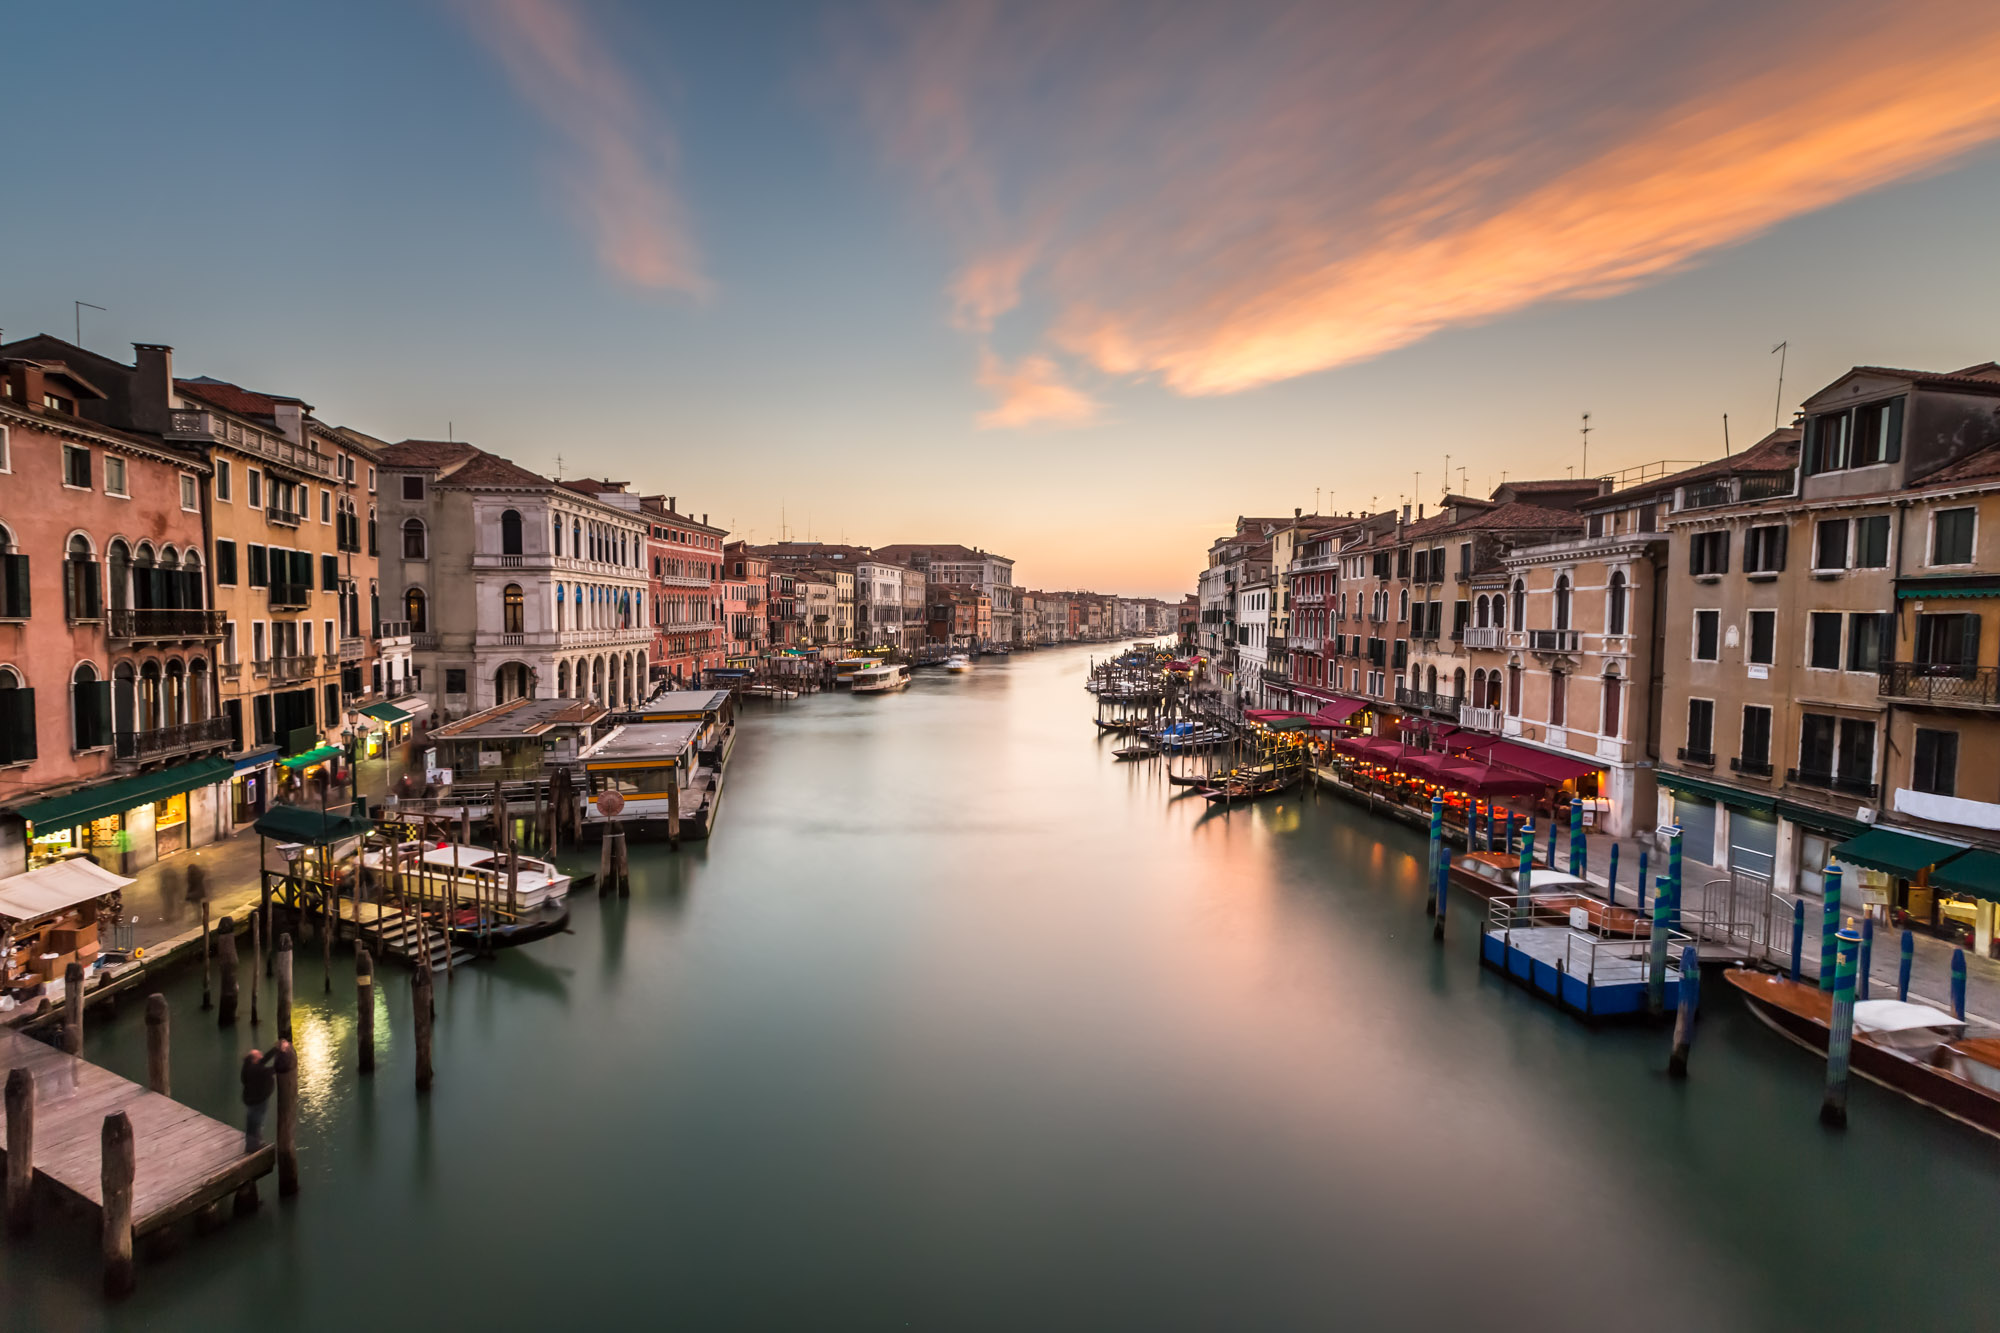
398, 932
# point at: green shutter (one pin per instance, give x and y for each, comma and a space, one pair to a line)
260, 569
14, 591
17, 726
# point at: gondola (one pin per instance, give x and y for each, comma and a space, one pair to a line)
1233, 790
1118, 728
1137, 750
1190, 779
506, 934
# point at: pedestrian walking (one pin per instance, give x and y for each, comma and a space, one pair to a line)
260, 1080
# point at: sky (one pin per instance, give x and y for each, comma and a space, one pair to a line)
1075, 282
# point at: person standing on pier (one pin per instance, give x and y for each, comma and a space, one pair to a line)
260, 1080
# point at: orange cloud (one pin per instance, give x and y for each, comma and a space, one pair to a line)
618, 176
1223, 202
1032, 392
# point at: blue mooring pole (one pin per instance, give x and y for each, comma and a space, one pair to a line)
1611, 884
1840, 1042
1524, 876
1640, 887
1829, 926
1677, 1063
1492, 827
1576, 854
1903, 968
1798, 935
1674, 875
1958, 984
1656, 972
1443, 892
1867, 957
1437, 841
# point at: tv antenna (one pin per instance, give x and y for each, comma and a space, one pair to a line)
79, 305
1585, 432
1779, 405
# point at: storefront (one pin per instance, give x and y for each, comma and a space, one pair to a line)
388, 726
130, 822
1908, 880
250, 785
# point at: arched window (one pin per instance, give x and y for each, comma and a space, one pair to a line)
174, 701
1562, 601
118, 562
1613, 698
1614, 611
555, 534
1492, 689
83, 591
1558, 697
1499, 611
1520, 604
415, 608
513, 609
414, 545
575, 539
1458, 685
1513, 691
1480, 611
510, 532
90, 709
199, 700
372, 548
1431, 681
17, 719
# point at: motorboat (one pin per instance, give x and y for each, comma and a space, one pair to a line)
480, 873
958, 662
881, 679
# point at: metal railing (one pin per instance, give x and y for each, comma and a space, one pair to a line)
283, 518
291, 668
1946, 683
1806, 777
352, 650
164, 623
167, 740
1688, 754
1753, 767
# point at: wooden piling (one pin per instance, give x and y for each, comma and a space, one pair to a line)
620, 866
1840, 1038
282, 960
207, 964
225, 951
159, 1055
604, 886
329, 905
115, 1179
674, 810
73, 1009
1443, 892
420, 1009
1690, 997
256, 965
20, 1151
288, 1078
364, 1009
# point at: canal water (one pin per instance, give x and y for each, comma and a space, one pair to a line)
959, 1024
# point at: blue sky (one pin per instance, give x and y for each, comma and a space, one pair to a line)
1078, 287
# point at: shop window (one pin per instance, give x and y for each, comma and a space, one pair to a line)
1695, 815
1934, 762
1823, 640
1952, 535
1707, 635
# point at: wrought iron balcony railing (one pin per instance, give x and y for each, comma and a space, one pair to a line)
1945, 684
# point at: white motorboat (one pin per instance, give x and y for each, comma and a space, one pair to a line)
881, 679
958, 662
481, 872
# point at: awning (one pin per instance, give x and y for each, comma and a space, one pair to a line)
1380, 749
1974, 872
256, 758
1479, 779
1900, 854
296, 823
1716, 791
317, 755
385, 713
1541, 763
114, 798
1340, 710
55, 887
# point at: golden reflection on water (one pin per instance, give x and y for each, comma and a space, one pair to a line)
318, 1039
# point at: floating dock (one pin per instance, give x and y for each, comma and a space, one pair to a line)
1554, 949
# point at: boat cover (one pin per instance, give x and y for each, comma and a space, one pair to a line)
1900, 1016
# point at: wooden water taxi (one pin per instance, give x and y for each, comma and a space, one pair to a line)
1495, 874
1914, 1049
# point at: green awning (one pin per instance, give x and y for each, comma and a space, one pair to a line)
1974, 872
311, 757
1899, 854
296, 823
1835, 826
385, 713
1948, 585
1716, 791
113, 798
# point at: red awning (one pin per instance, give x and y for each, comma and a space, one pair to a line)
1540, 763
1381, 749
1340, 710
1487, 780
1270, 715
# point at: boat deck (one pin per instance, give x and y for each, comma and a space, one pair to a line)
184, 1159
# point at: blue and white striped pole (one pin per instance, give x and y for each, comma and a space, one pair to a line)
1867, 957
1611, 884
1829, 926
1443, 892
1840, 1041
1677, 1063
1958, 984
1798, 936
1437, 841
1903, 968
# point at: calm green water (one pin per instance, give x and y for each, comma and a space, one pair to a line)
959, 1024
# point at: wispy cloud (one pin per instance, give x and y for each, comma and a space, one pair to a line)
618, 168
1031, 392
1223, 197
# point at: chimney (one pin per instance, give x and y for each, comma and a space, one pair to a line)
673, 505
153, 388
1406, 513
1420, 511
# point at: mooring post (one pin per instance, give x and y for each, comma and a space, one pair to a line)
420, 1010
364, 1008
288, 1078
1431, 863
1958, 984
1902, 968
621, 866
605, 887
1840, 1041
1674, 876
1677, 1063
1867, 957
256, 964
1578, 856
159, 1056
1524, 874
674, 809
1443, 892
282, 959
115, 1181
73, 1008
1656, 972
207, 967
1798, 936
20, 1150
225, 954
1640, 887
1611, 881
1829, 926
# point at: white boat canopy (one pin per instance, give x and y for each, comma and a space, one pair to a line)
55, 887
1900, 1016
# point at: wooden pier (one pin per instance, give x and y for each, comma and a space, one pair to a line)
185, 1160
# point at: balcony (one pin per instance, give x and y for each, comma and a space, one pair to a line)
230, 670
1426, 702
1687, 754
352, 650
1489, 720
392, 629
151, 623
423, 642
283, 518
1482, 636
1941, 684
209, 427
159, 742
285, 669
1752, 768
1552, 640
291, 596
1807, 777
